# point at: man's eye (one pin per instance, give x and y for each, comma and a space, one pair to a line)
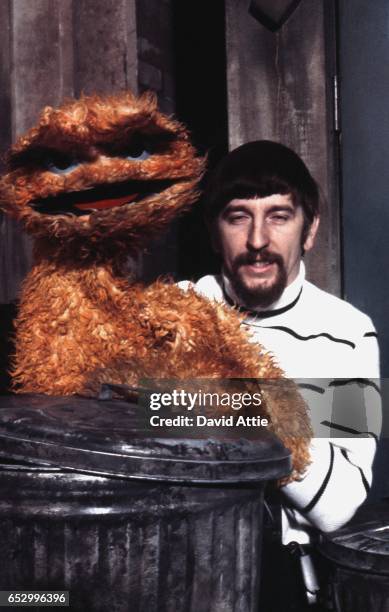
280, 218
236, 218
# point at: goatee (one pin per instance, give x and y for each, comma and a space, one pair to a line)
253, 297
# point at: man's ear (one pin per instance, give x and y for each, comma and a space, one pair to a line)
311, 235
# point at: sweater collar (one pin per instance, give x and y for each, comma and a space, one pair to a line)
287, 300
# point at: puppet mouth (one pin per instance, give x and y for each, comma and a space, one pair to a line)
99, 198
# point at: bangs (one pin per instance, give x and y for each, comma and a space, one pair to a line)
246, 188
260, 169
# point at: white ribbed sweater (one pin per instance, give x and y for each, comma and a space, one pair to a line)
326, 344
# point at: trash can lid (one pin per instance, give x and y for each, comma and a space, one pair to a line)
363, 544
115, 438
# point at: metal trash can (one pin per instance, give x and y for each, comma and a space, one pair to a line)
358, 557
127, 517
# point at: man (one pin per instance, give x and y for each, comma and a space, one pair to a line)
262, 208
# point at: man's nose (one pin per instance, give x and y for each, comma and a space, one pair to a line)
258, 236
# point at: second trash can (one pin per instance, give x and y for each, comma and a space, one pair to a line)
129, 518
358, 558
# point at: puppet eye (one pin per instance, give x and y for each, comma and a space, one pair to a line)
56, 170
137, 149
60, 163
138, 155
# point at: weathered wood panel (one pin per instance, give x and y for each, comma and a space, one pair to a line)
5, 76
279, 89
11, 245
104, 46
37, 59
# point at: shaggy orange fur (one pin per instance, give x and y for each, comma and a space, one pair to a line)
93, 182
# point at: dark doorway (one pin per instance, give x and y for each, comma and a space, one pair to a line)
201, 103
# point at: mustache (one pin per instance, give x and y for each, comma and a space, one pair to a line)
264, 256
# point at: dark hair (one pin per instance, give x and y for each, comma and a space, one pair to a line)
262, 168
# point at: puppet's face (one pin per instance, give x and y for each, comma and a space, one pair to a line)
101, 169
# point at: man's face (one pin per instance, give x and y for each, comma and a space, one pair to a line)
260, 242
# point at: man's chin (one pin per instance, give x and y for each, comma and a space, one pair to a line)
258, 294
258, 298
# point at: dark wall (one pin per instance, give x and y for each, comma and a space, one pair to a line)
201, 103
182, 56
155, 50
364, 55
155, 70
364, 61
181, 51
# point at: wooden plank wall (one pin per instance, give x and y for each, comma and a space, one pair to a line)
52, 49
280, 88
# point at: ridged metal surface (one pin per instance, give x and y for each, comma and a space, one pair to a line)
121, 546
358, 555
356, 592
115, 437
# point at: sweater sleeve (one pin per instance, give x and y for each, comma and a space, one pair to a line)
335, 484
340, 474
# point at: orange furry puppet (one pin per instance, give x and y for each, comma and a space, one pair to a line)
93, 182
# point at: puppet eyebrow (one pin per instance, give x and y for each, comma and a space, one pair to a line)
32, 155
154, 136
35, 155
